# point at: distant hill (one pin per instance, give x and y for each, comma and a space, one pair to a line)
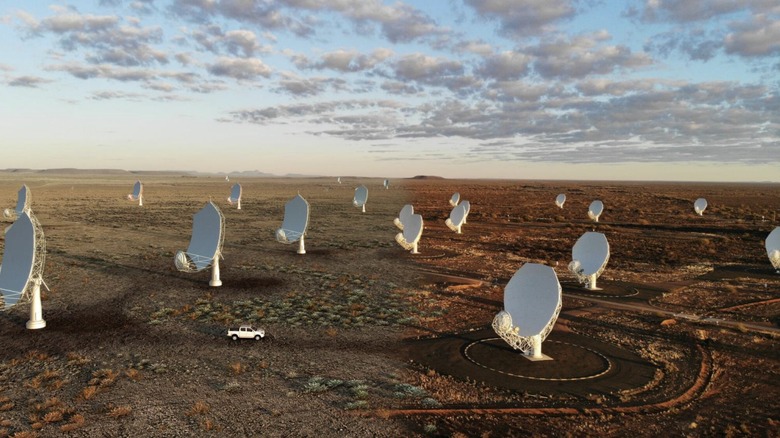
426, 177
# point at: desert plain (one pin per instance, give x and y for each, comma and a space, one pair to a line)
366, 339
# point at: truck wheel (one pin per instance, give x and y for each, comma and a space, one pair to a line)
235, 337
257, 337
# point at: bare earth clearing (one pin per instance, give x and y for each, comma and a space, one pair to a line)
368, 340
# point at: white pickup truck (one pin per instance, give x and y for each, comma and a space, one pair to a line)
246, 332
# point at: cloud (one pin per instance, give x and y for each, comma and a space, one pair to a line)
693, 10
397, 22
305, 87
239, 68
104, 37
758, 37
505, 65
240, 42
345, 60
28, 81
523, 18
583, 55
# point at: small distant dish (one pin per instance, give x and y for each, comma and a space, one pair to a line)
386, 184
361, 196
466, 209
773, 248
338, 180
138, 193
208, 235
296, 220
235, 195
560, 199
595, 210
23, 200
227, 178
457, 216
589, 258
21, 272
455, 199
699, 206
532, 302
403, 216
413, 228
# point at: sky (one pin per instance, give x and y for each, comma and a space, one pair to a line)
519, 89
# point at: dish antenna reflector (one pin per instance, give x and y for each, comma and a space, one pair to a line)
560, 199
467, 208
773, 248
23, 200
595, 210
532, 302
455, 199
227, 178
361, 196
339, 180
296, 219
138, 193
413, 228
406, 212
208, 235
699, 206
386, 184
21, 272
456, 219
589, 255
235, 195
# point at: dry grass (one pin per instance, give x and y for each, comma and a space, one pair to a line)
25, 434
76, 359
237, 368
77, 421
208, 424
120, 411
133, 374
104, 377
53, 417
6, 406
89, 392
331, 332
199, 408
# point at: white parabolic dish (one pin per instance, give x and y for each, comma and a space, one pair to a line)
361, 196
592, 252
457, 215
773, 247
533, 299
18, 260
206, 241
235, 193
22, 203
595, 209
700, 205
296, 219
137, 190
406, 212
559, 200
455, 199
413, 228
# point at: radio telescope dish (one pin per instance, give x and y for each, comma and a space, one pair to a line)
699, 206
386, 184
560, 199
406, 212
455, 199
466, 208
339, 180
227, 178
595, 210
235, 195
589, 258
21, 272
138, 193
23, 200
413, 228
208, 235
296, 219
532, 302
773, 248
457, 216
361, 196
